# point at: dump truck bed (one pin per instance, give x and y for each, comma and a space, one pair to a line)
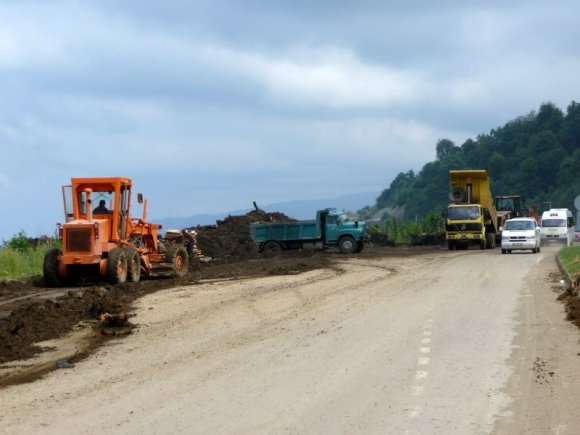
286, 231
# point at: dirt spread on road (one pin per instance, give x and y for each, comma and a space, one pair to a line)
36, 318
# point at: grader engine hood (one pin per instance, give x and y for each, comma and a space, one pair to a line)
84, 236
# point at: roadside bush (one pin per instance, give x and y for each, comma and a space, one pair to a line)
19, 242
427, 231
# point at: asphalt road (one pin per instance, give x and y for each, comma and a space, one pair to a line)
438, 343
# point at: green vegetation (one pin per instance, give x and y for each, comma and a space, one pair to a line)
570, 259
536, 155
20, 259
405, 232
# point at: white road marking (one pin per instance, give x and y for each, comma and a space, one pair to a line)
421, 374
425, 349
414, 412
425, 340
423, 361
418, 390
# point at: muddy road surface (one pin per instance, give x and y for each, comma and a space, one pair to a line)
464, 342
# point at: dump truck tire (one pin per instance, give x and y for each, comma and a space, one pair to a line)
179, 260
117, 266
271, 246
490, 240
347, 245
133, 265
50, 268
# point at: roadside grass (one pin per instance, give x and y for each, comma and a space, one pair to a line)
570, 259
22, 257
16, 264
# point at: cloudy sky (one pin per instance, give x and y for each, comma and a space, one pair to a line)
209, 105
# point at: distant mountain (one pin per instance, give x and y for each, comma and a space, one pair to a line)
297, 209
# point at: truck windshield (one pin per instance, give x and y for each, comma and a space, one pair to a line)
463, 213
519, 225
546, 223
505, 204
344, 218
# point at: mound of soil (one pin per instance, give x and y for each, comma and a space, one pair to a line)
380, 239
428, 239
231, 237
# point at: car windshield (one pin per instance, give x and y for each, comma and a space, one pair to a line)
463, 213
553, 222
519, 225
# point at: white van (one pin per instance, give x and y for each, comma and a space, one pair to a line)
557, 226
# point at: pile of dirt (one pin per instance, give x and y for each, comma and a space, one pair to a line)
428, 239
231, 237
380, 239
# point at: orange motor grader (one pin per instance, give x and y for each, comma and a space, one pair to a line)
100, 239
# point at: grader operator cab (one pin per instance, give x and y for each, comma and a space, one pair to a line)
101, 240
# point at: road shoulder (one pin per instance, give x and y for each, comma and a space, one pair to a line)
546, 353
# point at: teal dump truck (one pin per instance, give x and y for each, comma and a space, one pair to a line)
331, 228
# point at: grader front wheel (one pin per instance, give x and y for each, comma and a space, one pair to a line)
117, 266
50, 268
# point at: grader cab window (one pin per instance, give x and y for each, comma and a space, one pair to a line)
103, 202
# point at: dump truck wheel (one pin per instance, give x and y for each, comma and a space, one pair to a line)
133, 265
271, 246
347, 245
177, 256
50, 268
482, 244
490, 240
117, 266
450, 245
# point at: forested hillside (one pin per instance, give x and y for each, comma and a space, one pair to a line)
536, 155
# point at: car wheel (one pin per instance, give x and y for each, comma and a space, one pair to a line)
503, 251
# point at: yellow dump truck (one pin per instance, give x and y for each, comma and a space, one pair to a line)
470, 218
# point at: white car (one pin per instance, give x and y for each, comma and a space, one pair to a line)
520, 233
